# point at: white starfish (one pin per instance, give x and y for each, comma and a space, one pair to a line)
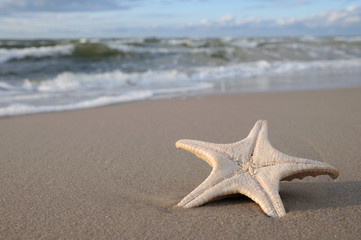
251, 167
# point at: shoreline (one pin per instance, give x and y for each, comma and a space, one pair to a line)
313, 79
114, 172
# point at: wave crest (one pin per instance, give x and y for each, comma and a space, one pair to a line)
34, 52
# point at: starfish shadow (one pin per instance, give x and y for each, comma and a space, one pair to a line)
227, 200
300, 196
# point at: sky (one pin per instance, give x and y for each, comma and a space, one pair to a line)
32, 19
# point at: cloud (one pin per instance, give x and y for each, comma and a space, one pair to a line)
333, 22
347, 17
226, 18
350, 16
81, 18
63, 6
204, 22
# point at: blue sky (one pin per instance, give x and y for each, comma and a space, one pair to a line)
169, 18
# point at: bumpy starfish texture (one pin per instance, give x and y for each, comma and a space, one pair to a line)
251, 167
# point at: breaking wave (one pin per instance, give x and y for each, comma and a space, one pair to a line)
34, 52
69, 81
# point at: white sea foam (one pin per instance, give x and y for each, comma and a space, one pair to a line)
269, 68
20, 109
6, 86
193, 87
108, 81
69, 91
69, 81
45, 51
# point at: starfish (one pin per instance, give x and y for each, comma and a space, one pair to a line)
251, 167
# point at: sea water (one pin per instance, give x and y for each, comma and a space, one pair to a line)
59, 75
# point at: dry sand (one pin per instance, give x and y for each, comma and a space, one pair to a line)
114, 172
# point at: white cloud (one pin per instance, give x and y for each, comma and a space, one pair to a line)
283, 22
333, 18
353, 20
116, 23
247, 21
205, 22
351, 8
332, 22
226, 18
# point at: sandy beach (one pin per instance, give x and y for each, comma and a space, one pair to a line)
114, 172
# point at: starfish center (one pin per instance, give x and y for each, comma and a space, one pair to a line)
246, 166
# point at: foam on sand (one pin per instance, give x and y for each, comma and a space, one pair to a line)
20, 109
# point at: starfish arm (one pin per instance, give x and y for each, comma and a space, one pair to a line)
266, 155
210, 152
256, 128
290, 171
300, 168
203, 150
218, 174
242, 149
268, 178
248, 185
224, 187
244, 184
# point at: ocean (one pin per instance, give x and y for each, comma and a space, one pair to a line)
59, 75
